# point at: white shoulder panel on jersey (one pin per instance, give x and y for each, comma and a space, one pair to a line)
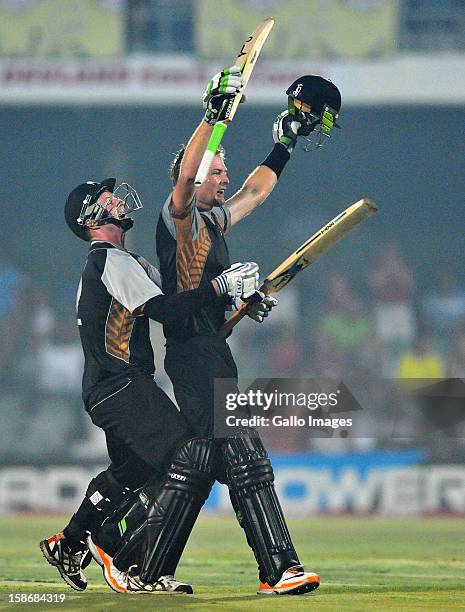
151, 270
127, 281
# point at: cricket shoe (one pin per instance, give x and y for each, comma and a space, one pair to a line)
294, 581
116, 579
164, 585
69, 564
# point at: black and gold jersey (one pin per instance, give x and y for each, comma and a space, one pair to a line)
192, 250
114, 287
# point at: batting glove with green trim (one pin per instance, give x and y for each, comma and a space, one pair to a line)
223, 86
286, 128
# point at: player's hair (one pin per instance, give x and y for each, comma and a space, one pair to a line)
175, 166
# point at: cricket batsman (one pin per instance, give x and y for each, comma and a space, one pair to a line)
192, 249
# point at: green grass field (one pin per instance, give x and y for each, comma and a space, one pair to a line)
364, 564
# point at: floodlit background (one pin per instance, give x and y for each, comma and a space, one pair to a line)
97, 88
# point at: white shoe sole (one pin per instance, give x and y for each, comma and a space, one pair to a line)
301, 589
104, 560
50, 559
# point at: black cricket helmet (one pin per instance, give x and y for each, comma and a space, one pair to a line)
317, 92
81, 205
322, 101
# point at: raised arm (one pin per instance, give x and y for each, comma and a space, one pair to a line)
184, 189
218, 92
313, 103
261, 182
253, 192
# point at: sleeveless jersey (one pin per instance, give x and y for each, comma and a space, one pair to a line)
191, 250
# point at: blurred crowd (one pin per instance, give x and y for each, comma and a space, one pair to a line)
388, 327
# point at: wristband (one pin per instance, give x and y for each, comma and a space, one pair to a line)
277, 159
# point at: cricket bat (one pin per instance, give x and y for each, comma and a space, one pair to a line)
308, 253
245, 61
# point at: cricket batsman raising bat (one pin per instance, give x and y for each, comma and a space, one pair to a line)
244, 65
191, 246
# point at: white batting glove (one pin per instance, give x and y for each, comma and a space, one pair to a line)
259, 310
286, 129
238, 281
223, 86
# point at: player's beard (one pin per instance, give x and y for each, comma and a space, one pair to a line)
219, 199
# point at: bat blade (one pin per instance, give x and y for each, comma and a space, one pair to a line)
318, 244
245, 60
308, 252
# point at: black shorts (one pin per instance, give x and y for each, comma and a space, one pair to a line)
142, 426
192, 367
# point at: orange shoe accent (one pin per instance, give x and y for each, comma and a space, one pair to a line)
298, 587
108, 576
56, 537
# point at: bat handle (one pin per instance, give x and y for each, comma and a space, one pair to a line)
233, 321
210, 152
